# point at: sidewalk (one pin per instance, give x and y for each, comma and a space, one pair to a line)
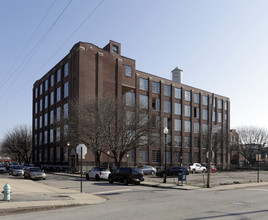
30, 195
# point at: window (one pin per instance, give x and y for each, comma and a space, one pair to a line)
187, 111
40, 122
41, 89
130, 98
205, 100
167, 90
46, 101
58, 134
196, 127
214, 116
167, 123
167, 106
59, 75
66, 69
196, 157
40, 105
187, 126
128, 70
177, 124
177, 157
65, 110
58, 94
51, 136
196, 142
225, 105
156, 104
177, 140
51, 117
196, 98
65, 130
45, 137
66, 90
46, 85
45, 119
143, 156
156, 156
35, 124
143, 101
52, 98
156, 87
187, 141
143, 118
65, 155
40, 138
143, 140
51, 154
36, 92
58, 114
187, 157
187, 95
57, 154
205, 128
177, 107
169, 140
177, 93
168, 157
36, 108
225, 117
35, 139
144, 84
219, 117
205, 114
52, 80
115, 49
219, 104
196, 112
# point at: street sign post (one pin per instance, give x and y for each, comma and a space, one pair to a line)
81, 150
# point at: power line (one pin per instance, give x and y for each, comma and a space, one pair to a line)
37, 46
8, 75
78, 27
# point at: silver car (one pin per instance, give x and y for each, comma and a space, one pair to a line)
146, 169
34, 173
16, 170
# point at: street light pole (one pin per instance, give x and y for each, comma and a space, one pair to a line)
165, 175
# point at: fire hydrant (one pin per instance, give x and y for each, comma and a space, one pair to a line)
7, 191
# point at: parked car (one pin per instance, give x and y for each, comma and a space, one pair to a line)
3, 168
146, 169
34, 173
126, 175
197, 168
172, 171
213, 169
98, 173
16, 170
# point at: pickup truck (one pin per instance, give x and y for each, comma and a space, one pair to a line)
197, 168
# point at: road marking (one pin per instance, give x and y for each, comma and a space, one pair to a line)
113, 191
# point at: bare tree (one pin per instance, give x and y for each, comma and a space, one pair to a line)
251, 140
109, 124
17, 144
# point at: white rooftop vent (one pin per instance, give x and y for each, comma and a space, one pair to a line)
177, 75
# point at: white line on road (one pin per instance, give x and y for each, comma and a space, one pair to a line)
113, 191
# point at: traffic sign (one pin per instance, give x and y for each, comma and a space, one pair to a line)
81, 150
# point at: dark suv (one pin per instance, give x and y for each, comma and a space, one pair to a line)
172, 171
126, 175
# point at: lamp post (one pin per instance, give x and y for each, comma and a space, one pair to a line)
108, 152
165, 175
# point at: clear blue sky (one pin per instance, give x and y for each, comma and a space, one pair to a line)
221, 46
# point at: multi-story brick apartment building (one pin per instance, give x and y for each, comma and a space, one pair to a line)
89, 71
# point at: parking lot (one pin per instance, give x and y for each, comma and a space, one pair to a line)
218, 178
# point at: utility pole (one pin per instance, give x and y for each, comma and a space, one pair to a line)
210, 141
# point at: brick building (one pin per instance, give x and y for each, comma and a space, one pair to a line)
89, 71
